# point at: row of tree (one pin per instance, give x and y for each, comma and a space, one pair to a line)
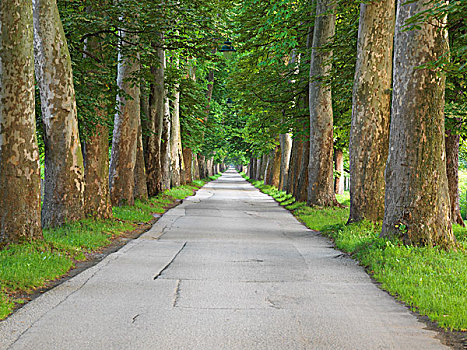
319, 73
133, 77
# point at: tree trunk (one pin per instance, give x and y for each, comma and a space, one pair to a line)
291, 176
19, 154
339, 166
302, 182
417, 206
187, 161
371, 110
97, 193
268, 175
320, 168
156, 116
195, 167
125, 133
286, 149
141, 186
176, 157
276, 167
452, 170
64, 168
165, 145
264, 164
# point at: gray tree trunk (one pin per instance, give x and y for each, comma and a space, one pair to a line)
64, 168
320, 168
125, 133
176, 157
195, 167
371, 110
19, 154
417, 206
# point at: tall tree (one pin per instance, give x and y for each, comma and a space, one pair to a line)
125, 133
417, 206
371, 110
64, 169
176, 155
19, 153
320, 168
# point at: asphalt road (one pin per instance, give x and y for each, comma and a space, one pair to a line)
226, 269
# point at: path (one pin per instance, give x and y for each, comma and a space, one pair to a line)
226, 269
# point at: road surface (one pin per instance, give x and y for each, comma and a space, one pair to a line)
227, 269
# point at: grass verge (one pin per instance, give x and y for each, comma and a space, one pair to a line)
26, 267
430, 281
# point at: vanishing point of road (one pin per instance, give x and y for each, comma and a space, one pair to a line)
226, 269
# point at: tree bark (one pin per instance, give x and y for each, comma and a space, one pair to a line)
417, 206
188, 160
302, 183
141, 187
19, 154
339, 166
64, 168
165, 145
125, 133
156, 115
176, 157
452, 170
97, 193
195, 167
371, 110
276, 167
286, 149
320, 168
264, 164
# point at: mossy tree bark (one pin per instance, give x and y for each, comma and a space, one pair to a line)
417, 206
64, 168
320, 167
19, 154
371, 110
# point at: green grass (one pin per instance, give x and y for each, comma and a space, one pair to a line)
463, 192
431, 281
29, 266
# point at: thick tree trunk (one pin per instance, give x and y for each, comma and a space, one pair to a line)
371, 110
19, 154
320, 168
417, 206
125, 133
187, 161
141, 186
156, 116
264, 164
268, 175
202, 170
64, 168
339, 167
452, 170
276, 167
165, 146
97, 193
286, 149
291, 176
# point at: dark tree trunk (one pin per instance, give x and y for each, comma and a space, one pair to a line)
268, 175
264, 164
156, 115
141, 186
97, 193
188, 160
276, 167
339, 166
64, 168
371, 110
302, 182
452, 170
417, 206
195, 167
320, 168
19, 154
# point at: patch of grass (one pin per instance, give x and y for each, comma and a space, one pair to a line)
29, 266
429, 280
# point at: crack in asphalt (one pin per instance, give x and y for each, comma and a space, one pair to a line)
170, 262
